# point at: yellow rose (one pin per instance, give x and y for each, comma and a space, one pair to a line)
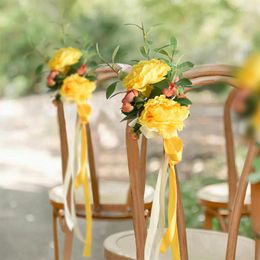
163, 116
84, 112
64, 58
145, 73
76, 88
249, 75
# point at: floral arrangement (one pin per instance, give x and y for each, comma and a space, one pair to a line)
247, 104
71, 81
155, 104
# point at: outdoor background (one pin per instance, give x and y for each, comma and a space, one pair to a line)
209, 31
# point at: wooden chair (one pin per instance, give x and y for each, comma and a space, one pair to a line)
217, 199
194, 244
111, 199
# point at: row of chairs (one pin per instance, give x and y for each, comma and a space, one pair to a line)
224, 202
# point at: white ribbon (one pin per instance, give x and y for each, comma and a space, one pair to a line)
157, 220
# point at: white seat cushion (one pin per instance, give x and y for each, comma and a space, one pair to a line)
218, 193
202, 245
111, 192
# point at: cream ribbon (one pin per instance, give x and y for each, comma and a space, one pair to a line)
81, 179
156, 242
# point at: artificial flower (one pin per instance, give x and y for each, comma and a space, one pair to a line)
145, 73
64, 58
164, 116
76, 88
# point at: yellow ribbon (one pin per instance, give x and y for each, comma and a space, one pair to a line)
82, 180
173, 149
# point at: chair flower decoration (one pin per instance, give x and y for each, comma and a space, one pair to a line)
155, 104
71, 81
247, 104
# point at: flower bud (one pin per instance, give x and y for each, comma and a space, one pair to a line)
127, 107
82, 70
51, 78
171, 90
130, 95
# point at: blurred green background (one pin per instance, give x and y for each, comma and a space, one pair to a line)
207, 31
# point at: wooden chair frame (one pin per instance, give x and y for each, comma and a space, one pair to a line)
99, 210
200, 76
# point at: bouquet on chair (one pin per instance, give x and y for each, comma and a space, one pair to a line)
247, 105
155, 104
71, 81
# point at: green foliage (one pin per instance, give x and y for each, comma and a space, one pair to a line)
208, 31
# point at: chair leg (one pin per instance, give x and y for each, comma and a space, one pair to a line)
208, 220
67, 251
55, 234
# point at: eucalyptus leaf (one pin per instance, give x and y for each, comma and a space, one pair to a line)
111, 89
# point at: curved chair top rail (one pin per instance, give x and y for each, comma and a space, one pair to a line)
202, 75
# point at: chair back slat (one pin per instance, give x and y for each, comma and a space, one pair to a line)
230, 152
93, 174
142, 169
63, 137
137, 193
239, 203
255, 215
65, 153
181, 222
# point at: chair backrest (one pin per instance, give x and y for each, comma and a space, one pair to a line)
200, 76
64, 153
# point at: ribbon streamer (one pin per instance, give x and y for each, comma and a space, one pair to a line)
80, 180
173, 155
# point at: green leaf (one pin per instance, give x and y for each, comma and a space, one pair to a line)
164, 52
173, 42
184, 82
155, 92
254, 177
162, 84
187, 65
115, 53
160, 48
111, 89
91, 77
38, 69
184, 101
143, 51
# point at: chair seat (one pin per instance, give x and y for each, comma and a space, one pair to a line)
202, 245
110, 192
218, 193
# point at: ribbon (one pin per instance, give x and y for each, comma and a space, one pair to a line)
79, 180
155, 236
82, 180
